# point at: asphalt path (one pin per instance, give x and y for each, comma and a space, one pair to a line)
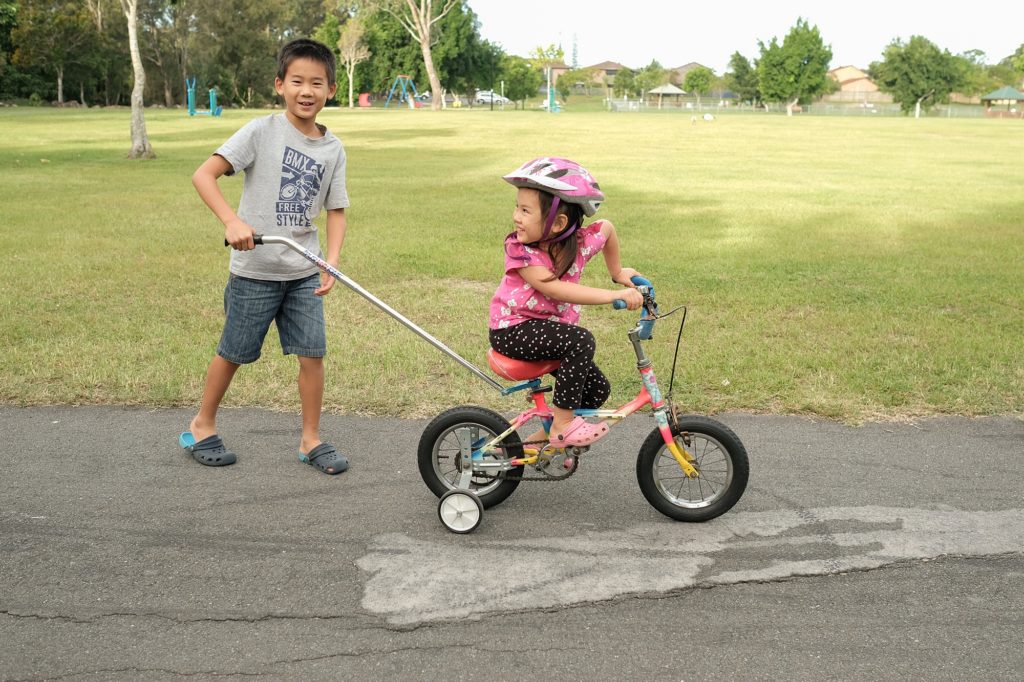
884, 551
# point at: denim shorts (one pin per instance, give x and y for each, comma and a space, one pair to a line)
250, 305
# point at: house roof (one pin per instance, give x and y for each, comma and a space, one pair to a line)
1005, 92
607, 66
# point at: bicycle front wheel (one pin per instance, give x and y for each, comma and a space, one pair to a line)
719, 457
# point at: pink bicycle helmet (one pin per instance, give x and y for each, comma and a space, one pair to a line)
564, 179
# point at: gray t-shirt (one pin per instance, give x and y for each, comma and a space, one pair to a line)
289, 179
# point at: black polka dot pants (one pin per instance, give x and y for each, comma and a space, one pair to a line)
579, 384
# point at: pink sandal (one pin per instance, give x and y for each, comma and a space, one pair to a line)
579, 433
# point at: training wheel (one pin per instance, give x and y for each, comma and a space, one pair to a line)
460, 511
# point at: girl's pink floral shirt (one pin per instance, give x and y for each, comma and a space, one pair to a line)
516, 301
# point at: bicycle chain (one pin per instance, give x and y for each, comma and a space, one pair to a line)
546, 478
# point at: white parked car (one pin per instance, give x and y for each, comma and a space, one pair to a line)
488, 96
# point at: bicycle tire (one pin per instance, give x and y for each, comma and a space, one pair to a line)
720, 458
437, 454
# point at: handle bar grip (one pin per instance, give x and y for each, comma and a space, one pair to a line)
256, 239
619, 304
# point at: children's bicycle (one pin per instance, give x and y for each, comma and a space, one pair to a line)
690, 468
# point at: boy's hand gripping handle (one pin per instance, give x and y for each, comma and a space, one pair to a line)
256, 239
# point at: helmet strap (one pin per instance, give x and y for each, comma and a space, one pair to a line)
552, 214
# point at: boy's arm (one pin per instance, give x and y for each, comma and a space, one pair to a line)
337, 223
236, 231
619, 274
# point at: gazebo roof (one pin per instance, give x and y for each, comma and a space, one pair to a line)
1005, 92
666, 89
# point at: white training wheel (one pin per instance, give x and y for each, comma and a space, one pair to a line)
460, 511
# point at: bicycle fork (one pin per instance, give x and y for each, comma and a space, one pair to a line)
660, 407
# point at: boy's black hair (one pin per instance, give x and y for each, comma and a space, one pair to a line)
304, 48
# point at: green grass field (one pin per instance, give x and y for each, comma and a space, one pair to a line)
846, 267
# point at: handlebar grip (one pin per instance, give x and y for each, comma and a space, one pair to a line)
256, 239
619, 304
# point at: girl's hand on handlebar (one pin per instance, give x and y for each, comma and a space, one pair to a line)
239, 234
625, 277
631, 297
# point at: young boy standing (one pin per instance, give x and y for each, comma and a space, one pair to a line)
294, 167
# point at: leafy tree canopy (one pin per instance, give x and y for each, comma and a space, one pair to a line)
742, 79
796, 70
522, 80
699, 80
917, 73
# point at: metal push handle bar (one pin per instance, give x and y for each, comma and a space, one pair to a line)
354, 286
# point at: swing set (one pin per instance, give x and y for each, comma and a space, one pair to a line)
406, 83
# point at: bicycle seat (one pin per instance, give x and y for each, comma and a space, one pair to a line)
519, 370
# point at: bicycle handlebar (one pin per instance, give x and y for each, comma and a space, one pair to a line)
650, 307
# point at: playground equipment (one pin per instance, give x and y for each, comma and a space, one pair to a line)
405, 82
214, 110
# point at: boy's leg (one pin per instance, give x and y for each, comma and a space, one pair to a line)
300, 323
311, 395
218, 379
249, 308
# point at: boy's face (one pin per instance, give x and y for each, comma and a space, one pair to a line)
305, 90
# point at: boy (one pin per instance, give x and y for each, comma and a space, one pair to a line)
293, 167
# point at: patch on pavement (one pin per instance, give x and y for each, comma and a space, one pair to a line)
413, 580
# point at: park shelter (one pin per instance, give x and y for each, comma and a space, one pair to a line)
1008, 94
666, 89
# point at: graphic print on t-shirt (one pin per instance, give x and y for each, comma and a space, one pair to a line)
300, 183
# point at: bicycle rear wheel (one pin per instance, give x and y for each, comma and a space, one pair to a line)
440, 446
719, 457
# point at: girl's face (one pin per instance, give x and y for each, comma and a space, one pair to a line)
528, 217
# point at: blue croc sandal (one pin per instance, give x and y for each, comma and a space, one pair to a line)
209, 451
326, 458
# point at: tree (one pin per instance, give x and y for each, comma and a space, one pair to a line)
742, 79
796, 70
915, 72
352, 50
141, 148
465, 61
1017, 60
976, 78
54, 34
235, 45
522, 80
650, 77
624, 83
699, 80
418, 18
572, 78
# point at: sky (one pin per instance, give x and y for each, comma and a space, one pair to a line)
679, 32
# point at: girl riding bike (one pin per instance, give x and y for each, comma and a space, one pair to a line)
535, 311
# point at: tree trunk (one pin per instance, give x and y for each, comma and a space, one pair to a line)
60, 85
350, 68
790, 105
435, 82
141, 148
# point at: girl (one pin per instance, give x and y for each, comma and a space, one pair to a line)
535, 311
